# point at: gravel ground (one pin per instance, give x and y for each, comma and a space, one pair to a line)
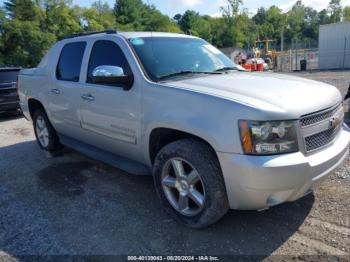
340, 79
73, 205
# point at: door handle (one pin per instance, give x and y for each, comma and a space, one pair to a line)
55, 91
88, 97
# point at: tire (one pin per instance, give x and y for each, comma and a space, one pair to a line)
197, 158
52, 144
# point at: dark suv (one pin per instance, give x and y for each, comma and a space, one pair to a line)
9, 100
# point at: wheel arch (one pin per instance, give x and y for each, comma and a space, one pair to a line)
161, 136
33, 105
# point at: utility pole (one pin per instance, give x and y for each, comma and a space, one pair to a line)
282, 39
344, 56
291, 54
296, 54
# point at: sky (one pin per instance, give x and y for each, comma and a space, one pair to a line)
212, 7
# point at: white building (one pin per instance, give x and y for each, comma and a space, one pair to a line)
334, 46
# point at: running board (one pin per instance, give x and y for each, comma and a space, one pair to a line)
93, 152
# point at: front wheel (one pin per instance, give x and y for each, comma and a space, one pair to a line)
189, 183
45, 133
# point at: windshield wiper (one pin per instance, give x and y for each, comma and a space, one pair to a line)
187, 73
228, 68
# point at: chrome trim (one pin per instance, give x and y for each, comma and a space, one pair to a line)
334, 134
327, 113
323, 127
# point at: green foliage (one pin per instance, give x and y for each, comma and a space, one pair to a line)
61, 20
136, 16
232, 8
24, 10
269, 22
99, 17
2, 17
346, 14
23, 43
192, 23
128, 12
247, 29
335, 10
29, 27
310, 24
300, 22
153, 20
323, 17
238, 31
233, 29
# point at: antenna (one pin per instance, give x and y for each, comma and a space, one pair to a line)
149, 4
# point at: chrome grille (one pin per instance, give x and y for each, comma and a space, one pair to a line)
320, 129
314, 118
321, 139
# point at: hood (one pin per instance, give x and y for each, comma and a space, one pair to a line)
266, 91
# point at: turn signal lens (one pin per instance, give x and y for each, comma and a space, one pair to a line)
246, 137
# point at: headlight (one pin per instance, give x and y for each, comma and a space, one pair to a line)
268, 137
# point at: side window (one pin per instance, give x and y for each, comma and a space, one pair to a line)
106, 52
69, 64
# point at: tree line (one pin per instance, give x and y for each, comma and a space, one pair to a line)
28, 28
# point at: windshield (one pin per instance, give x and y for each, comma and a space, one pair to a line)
175, 56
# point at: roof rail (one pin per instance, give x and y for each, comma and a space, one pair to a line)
109, 31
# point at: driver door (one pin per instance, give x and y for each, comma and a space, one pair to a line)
110, 113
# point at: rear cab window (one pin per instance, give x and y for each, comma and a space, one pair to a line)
70, 61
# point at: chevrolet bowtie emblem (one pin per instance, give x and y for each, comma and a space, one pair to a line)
334, 122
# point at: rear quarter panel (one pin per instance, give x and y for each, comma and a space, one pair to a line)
34, 83
31, 87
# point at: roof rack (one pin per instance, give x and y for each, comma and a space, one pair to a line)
109, 31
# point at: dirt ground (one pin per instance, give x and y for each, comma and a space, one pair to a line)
73, 205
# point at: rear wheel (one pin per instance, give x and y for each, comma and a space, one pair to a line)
45, 133
189, 183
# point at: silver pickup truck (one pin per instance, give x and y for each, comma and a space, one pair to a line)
213, 136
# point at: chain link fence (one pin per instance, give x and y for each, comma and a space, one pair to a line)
293, 60
300, 59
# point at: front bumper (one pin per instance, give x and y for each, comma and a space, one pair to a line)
258, 182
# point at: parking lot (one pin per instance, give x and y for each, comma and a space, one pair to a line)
73, 205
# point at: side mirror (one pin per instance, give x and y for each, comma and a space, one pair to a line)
112, 75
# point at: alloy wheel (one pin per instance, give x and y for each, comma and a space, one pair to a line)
183, 187
42, 131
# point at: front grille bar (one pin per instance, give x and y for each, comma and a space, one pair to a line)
328, 131
315, 118
321, 139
